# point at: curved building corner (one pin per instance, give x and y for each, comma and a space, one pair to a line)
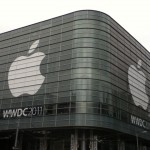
76, 82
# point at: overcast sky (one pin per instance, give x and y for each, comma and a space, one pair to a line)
133, 15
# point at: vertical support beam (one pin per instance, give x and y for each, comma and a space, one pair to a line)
121, 145
137, 141
74, 141
43, 141
83, 142
93, 141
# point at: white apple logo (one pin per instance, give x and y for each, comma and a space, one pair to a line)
24, 75
137, 81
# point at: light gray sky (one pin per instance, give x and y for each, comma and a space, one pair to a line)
133, 15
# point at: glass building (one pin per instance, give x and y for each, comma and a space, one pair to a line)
76, 82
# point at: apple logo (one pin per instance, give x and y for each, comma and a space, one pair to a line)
24, 75
137, 79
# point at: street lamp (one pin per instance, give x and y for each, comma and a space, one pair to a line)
137, 138
16, 138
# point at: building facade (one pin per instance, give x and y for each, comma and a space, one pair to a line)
76, 82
